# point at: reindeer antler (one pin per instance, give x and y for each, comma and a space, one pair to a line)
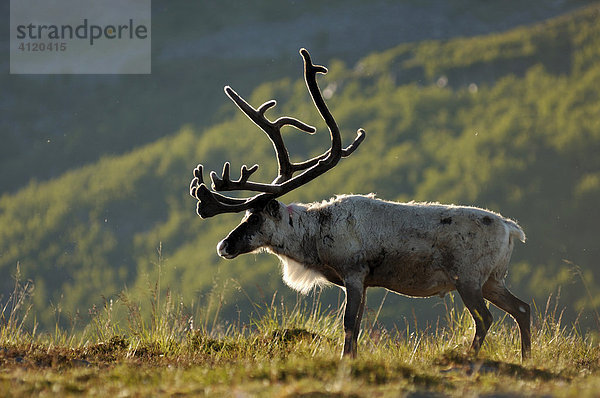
211, 203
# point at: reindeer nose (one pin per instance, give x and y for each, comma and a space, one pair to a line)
222, 248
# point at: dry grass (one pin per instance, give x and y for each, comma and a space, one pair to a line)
284, 351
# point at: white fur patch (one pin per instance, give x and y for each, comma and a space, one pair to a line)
298, 277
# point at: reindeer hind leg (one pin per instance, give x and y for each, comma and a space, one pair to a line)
501, 297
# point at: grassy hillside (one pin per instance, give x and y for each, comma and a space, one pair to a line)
508, 121
50, 124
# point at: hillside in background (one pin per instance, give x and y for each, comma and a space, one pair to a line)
52, 124
508, 121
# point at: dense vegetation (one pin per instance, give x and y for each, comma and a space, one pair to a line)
508, 121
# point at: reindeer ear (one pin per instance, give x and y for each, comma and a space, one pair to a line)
272, 209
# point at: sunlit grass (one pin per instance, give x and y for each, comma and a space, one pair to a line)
285, 350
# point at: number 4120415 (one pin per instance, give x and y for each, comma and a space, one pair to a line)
42, 47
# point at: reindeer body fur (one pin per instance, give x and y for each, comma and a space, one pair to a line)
416, 249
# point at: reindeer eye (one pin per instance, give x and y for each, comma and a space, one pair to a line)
253, 219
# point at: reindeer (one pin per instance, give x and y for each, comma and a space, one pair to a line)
356, 241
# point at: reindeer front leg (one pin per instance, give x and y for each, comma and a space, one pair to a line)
355, 301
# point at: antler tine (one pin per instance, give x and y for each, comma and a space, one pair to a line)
310, 78
282, 121
360, 136
212, 203
226, 184
246, 172
258, 115
196, 181
272, 129
196, 190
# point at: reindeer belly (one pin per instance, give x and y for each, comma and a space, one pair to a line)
411, 274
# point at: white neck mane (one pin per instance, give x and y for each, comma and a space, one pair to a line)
298, 277
292, 256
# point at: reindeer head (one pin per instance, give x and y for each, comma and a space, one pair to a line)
262, 209
259, 228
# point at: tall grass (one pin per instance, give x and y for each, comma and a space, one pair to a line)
168, 329
15, 312
302, 341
